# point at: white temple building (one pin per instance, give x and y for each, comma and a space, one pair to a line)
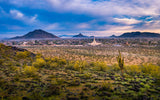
94, 43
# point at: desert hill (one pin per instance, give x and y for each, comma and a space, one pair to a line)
139, 34
36, 34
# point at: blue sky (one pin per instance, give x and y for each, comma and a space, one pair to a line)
90, 17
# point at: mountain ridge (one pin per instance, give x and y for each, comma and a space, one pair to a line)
140, 34
36, 34
80, 35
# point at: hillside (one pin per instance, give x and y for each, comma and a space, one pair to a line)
36, 34
140, 34
13, 56
80, 35
10, 52
26, 77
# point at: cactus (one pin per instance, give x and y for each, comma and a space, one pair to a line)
120, 61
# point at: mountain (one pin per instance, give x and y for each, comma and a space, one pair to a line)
140, 34
113, 36
66, 36
80, 35
36, 34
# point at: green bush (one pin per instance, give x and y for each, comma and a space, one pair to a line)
115, 67
29, 70
60, 61
107, 86
53, 65
38, 55
1, 61
70, 65
154, 70
22, 55
101, 66
133, 69
55, 62
80, 65
87, 75
40, 62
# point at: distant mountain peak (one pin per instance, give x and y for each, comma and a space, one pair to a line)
79, 35
38, 30
36, 34
113, 36
140, 34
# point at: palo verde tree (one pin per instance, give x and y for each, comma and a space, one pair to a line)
120, 61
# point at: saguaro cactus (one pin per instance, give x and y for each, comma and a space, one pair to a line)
120, 61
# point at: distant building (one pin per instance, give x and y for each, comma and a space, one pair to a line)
94, 43
25, 43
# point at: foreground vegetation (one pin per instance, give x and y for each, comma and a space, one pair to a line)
26, 76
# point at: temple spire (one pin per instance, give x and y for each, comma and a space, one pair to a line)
94, 39
94, 43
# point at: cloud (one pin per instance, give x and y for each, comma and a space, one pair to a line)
127, 21
107, 7
117, 30
34, 18
38, 4
18, 15
151, 25
94, 7
54, 26
82, 26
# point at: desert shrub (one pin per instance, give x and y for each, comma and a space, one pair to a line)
75, 82
8, 63
151, 69
115, 67
22, 55
79, 66
70, 65
54, 81
93, 64
133, 69
53, 65
51, 90
87, 75
34, 96
60, 81
14, 98
1, 61
55, 62
158, 63
40, 62
106, 86
38, 55
29, 70
14, 68
101, 66
76, 65
60, 61
50, 64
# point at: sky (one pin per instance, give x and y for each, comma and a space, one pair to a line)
90, 17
